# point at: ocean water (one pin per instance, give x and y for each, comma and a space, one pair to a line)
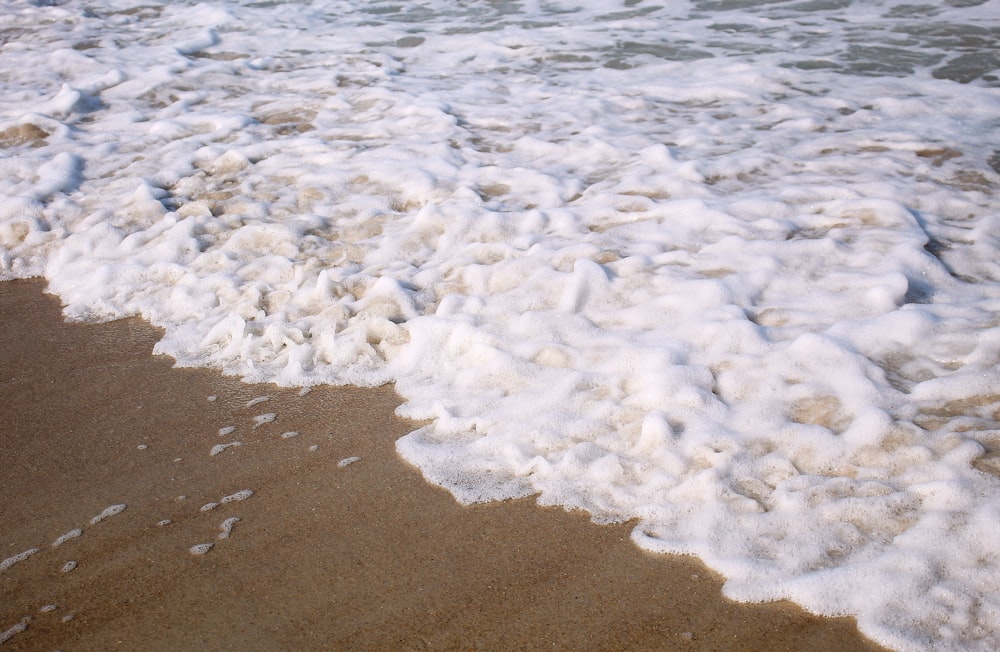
726, 268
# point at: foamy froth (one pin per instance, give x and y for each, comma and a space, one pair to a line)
726, 269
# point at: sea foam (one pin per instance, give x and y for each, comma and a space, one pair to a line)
108, 512
642, 260
15, 559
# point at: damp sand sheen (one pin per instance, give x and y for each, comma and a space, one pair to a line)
645, 263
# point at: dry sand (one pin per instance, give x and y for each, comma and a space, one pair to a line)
324, 557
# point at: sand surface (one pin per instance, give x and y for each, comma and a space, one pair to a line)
325, 556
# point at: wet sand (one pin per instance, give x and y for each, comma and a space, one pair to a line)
364, 556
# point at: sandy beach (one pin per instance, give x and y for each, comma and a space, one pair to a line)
339, 546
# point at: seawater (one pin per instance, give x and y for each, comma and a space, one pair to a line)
727, 268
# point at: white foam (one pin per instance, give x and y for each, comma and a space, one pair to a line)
72, 534
108, 512
163, 522
207, 507
47, 608
347, 461
260, 399
289, 434
19, 557
634, 259
262, 419
13, 630
226, 527
219, 448
242, 494
226, 430
68, 566
201, 548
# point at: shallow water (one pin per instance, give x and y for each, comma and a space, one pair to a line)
729, 268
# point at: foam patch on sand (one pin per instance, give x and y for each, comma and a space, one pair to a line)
108, 512
226, 528
262, 419
13, 630
16, 559
219, 448
240, 495
72, 534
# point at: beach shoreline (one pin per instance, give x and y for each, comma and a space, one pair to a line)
339, 544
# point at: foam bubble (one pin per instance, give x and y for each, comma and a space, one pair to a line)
218, 448
226, 528
68, 566
243, 494
259, 399
19, 557
226, 430
201, 548
348, 460
108, 512
262, 419
72, 534
13, 630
